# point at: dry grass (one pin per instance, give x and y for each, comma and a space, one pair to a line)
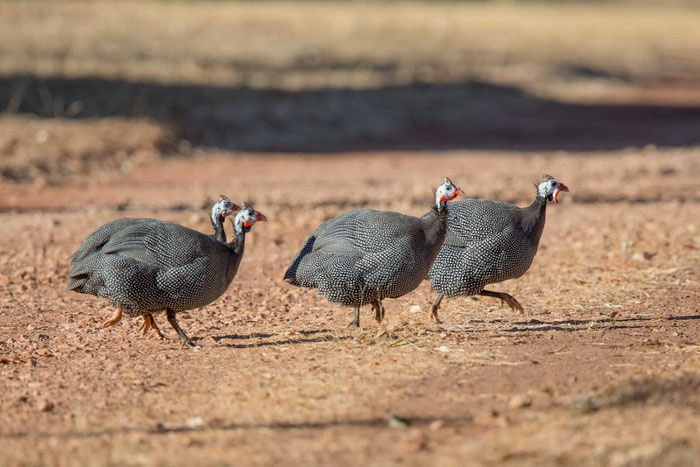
308, 45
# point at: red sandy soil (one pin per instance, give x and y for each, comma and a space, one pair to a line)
603, 368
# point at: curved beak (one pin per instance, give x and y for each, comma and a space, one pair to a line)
260, 217
454, 194
561, 188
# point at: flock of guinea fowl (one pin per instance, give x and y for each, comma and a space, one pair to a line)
358, 258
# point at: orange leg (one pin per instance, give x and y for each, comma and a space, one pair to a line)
149, 324
114, 319
156, 332
145, 326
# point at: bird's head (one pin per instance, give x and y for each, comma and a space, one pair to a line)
246, 217
221, 209
549, 189
446, 192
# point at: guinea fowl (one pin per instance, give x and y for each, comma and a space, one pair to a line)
147, 265
488, 242
364, 256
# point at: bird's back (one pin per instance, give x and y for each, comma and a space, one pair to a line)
84, 276
148, 264
364, 249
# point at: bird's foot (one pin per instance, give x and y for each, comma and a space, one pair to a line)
354, 324
379, 312
434, 314
145, 325
114, 319
150, 324
189, 344
156, 332
512, 302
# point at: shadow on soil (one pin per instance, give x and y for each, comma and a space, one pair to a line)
470, 115
327, 337
573, 325
160, 429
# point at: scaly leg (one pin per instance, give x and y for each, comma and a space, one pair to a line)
507, 298
356, 319
173, 322
156, 331
378, 306
146, 324
436, 306
150, 324
114, 319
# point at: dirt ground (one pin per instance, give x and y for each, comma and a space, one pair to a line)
603, 368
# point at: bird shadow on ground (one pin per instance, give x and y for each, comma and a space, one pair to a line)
578, 322
310, 425
570, 325
683, 318
327, 337
252, 335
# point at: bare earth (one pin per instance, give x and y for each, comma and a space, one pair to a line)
604, 367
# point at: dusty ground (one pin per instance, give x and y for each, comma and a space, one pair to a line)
604, 367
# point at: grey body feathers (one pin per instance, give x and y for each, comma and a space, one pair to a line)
149, 265
486, 242
366, 255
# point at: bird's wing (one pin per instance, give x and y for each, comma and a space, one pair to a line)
363, 231
159, 243
102, 235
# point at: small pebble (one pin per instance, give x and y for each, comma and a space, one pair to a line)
44, 405
519, 401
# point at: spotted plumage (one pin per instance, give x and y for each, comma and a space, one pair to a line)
489, 242
364, 256
146, 265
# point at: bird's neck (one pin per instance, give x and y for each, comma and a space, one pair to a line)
219, 231
434, 224
533, 219
238, 243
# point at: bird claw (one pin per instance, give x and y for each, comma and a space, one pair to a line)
512, 303
114, 319
190, 345
434, 314
149, 324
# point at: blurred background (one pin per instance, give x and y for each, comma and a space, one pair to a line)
93, 86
